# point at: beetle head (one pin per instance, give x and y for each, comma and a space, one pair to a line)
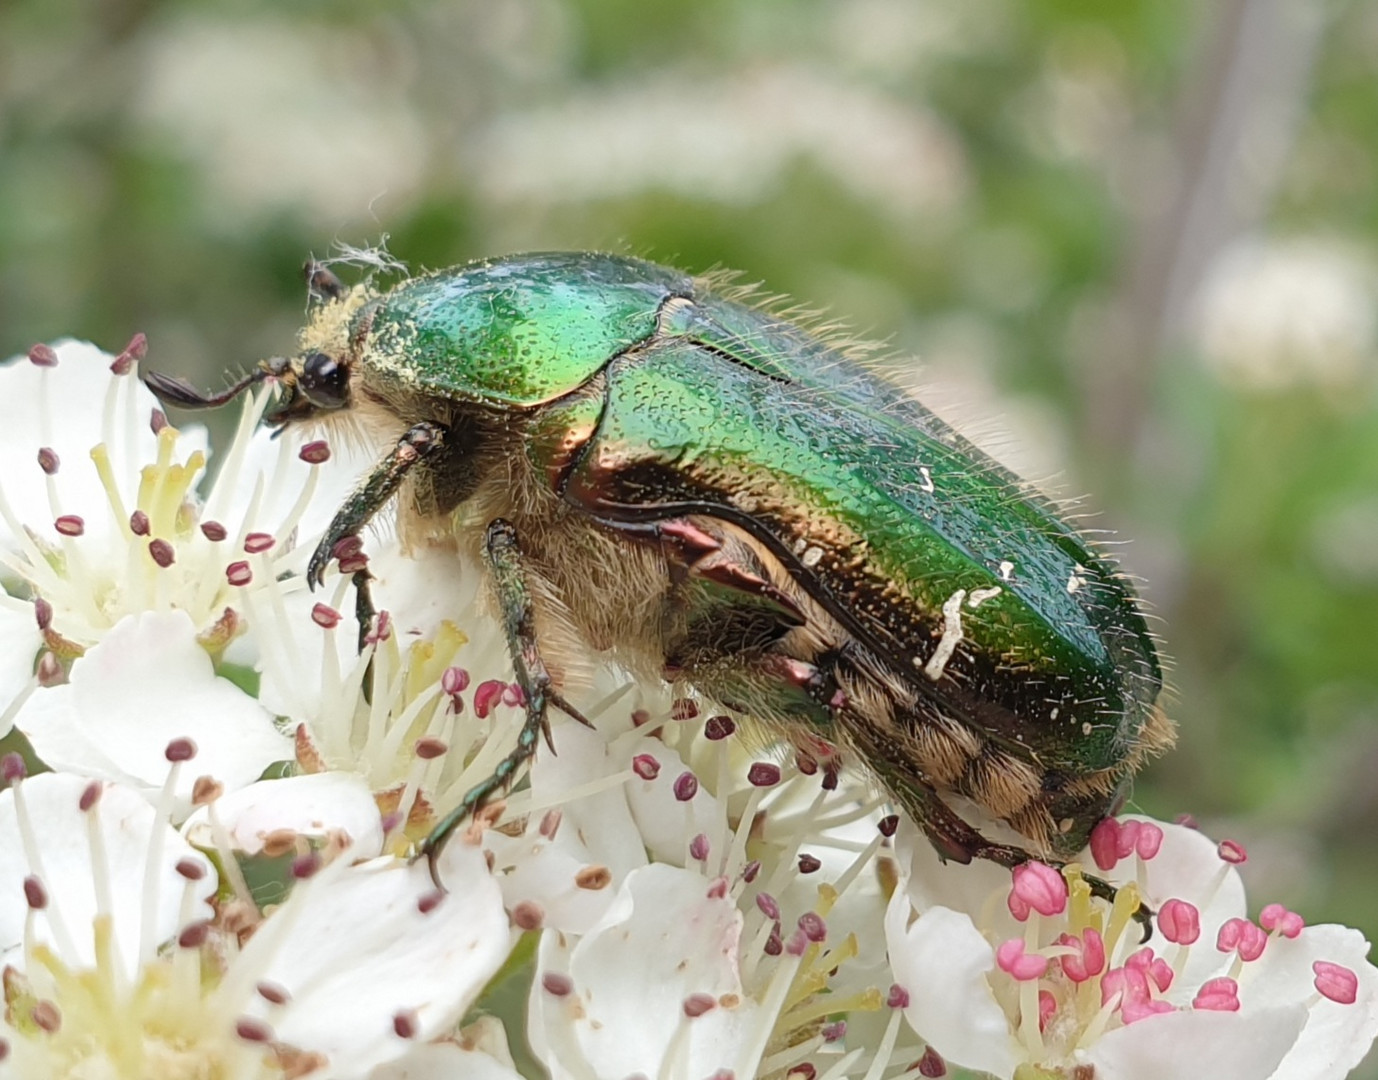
308, 385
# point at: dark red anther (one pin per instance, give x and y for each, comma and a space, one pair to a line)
528, 915
48, 460
35, 895
272, 993
719, 727
405, 1024
763, 774
194, 936
932, 1064
699, 847
213, 531
889, 824
325, 616
686, 786
239, 573
191, 869
46, 1016
646, 766
180, 749
809, 864
42, 356
557, 985
815, 929
70, 525
157, 420
135, 351
43, 612
258, 542
12, 768
428, 748
90, 795
139, 524
315, 453
898, 998
162, 553
695, 1005
251, 1030
805, 762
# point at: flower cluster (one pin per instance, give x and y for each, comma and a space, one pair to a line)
213, 796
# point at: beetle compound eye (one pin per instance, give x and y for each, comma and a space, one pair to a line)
324, 381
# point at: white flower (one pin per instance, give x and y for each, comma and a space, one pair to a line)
102, 517
1002, 977
118, 967
737, 947
1298, 311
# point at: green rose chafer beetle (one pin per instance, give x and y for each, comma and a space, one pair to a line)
717, 497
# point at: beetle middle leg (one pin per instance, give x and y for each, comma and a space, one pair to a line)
503, 555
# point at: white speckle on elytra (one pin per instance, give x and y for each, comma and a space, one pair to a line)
927, 484
799, 546
1053, 715
1086, 728
1006, 569
811, 557
980, 596
952, 633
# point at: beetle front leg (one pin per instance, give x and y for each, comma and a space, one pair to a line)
504, 558
418, 442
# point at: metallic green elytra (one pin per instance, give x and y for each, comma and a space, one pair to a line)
713, 495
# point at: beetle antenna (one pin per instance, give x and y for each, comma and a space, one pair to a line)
176, 391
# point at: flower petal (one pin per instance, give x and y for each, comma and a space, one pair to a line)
61, 842
147, 683
624, 1011
19, 644
353, 948
311, 805
1221, 1045
667, 822
1336, 1037
595, 830
445, 1061
942, 960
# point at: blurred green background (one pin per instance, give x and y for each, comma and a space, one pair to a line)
1134, 245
